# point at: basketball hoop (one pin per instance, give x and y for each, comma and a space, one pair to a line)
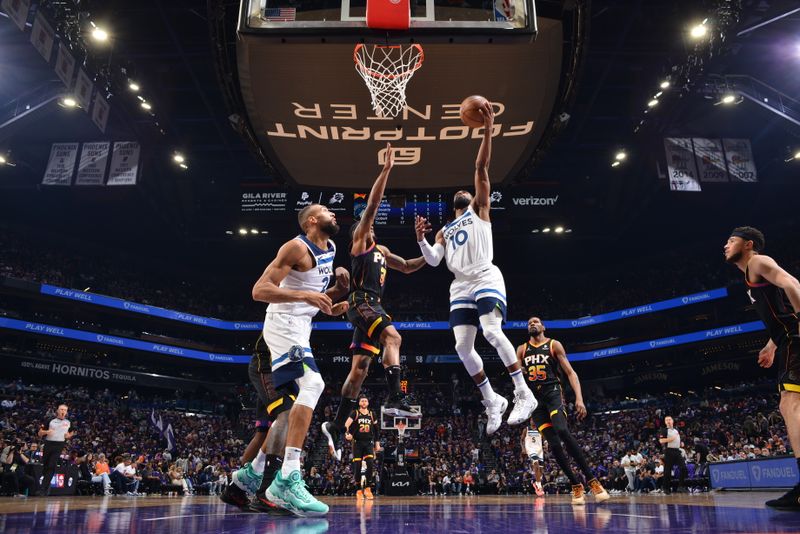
401, 429
387, 70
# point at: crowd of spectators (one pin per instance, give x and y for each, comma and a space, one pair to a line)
554, 295
450, 454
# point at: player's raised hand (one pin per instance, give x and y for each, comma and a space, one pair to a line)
389, 163
488, 114
421, 227
318, 300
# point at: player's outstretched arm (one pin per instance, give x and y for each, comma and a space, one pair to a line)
572, 376
393, 261
433, 254
482, 185
340, 289
267, 287
361, 236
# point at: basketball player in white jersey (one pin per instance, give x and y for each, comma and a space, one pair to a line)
478, 293
295, 285
532, 449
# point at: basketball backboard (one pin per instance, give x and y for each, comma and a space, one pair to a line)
312, 115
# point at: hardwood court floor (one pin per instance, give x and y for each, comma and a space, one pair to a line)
717, 513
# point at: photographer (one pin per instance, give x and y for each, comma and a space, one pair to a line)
14, 475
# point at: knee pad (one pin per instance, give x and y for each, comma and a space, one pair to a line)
311, 388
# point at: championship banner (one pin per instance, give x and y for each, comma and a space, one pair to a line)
65, 65
739, 156
100, 112
42, 36
61, 165
124, 163
710, 160
93, 162
17, 10
680, 164
83, 90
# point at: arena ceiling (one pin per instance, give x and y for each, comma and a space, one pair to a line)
172, 50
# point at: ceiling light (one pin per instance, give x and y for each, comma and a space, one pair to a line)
615, 164
3, 160
559, 230
100, 35
546, 230
253, 231
568, 231
621, 155
797, 155
69, 102
699, 31
177, 157
658, 94
242, 231
146, 106
264, 232
535, 231
183, 166
728, 98
652, 103
229, 232
664, 84
133, 86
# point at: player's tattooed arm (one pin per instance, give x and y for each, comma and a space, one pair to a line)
398, 263
572, 376
361, 236
267, 287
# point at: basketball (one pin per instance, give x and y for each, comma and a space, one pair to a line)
470, 111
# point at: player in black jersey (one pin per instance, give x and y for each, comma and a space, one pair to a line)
776, 297
541, 359
372, 326
263, 456
364, 436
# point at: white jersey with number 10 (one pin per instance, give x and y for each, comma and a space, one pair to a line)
468, 245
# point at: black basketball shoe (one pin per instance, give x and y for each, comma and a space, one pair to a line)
790, 501
397, 405
235, 496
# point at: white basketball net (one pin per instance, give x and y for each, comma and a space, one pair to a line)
387, 70
401, 429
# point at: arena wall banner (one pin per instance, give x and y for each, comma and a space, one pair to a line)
681, 165
119, 342
124, 163
18, 11
65, 65
710, 160
83, 90
704, 335
102, 374
155, 311
100, 111
92, 164
776, 472
61, 165
739, 156
43, 36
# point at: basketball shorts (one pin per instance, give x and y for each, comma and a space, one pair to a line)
477, 295
787, 361
533, 445
551, 401
270, 403
363, 449
369, 320
287, 337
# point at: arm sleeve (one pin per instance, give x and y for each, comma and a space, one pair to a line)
433, 254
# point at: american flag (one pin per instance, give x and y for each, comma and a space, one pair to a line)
279, 14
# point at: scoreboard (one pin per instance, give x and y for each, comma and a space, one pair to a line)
401, 210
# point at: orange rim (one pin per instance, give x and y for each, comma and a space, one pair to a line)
373, 74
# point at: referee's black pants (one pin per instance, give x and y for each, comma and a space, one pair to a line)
50, 455
673, 457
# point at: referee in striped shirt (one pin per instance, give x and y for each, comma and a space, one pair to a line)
55, 436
